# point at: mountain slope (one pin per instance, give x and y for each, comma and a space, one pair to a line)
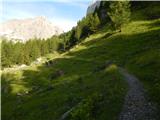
26, 29
86, 80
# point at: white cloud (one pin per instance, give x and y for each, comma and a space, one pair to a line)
64, 24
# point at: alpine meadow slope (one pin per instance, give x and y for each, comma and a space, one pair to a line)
84, 82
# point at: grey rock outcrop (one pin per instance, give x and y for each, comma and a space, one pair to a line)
95, 4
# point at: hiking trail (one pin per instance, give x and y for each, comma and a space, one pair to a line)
136, 105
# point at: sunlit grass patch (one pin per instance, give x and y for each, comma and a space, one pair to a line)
141, 26
111, 68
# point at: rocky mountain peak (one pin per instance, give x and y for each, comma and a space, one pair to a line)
22, 30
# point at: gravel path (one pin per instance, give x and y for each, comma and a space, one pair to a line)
136, 106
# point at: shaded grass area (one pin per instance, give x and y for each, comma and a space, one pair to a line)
148, 12
40, 96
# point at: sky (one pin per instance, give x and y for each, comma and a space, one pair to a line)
64, 13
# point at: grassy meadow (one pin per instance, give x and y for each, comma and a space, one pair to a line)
86, 78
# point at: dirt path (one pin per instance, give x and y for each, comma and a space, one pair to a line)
136, 105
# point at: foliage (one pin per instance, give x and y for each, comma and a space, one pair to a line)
87, 26
86, 110
24, 53
119, 13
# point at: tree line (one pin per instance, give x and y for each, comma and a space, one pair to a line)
117, 14
24, 53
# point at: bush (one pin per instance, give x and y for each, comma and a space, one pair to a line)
87, 108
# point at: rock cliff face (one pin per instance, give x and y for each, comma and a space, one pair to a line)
93, 5
23, 30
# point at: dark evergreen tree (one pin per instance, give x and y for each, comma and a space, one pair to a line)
94, 22
119, 13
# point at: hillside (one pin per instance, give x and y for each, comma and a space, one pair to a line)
85, 83
25, 29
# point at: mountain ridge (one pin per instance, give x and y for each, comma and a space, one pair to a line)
30, 28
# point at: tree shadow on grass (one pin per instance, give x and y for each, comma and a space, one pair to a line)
49, 97
46, 102
148, 10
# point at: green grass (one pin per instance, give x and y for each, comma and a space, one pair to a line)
137, 49
81, 82
78, 84
94, 93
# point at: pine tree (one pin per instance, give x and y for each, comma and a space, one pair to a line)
79, 29
94, 22
7, 53
53, 44
17, 53
25, 55
119, 13
35, 50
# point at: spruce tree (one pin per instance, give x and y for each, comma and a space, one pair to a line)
94, 22
119, 13
79, 28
